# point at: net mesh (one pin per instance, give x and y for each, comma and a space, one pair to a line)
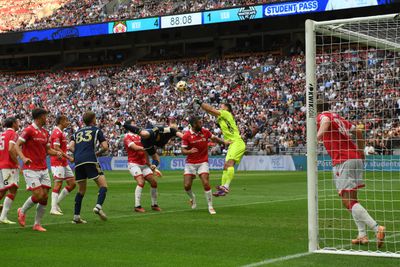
357, 73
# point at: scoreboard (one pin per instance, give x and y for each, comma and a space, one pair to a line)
196, 18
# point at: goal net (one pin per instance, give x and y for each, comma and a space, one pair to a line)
353, 69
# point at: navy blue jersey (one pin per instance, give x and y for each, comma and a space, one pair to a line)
86, 140
157, 140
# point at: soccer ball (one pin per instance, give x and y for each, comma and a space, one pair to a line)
181, 86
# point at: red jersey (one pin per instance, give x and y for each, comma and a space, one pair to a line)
58, 138
137, 157
9, 136
337, 139
35, 145
198, 140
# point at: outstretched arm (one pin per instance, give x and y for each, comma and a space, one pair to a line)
220, 140
207, 107
210, 109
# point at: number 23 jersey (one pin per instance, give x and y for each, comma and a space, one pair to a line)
337, 140
86, 140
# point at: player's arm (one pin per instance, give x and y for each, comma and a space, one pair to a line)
186, 151
52, 152
135, 147
220, 140
324, 127
185, 147
71, 146
18, 149
104, 147
359, 135
12, 151
57, 148
210, 109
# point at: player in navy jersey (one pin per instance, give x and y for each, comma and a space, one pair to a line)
84, 144
153, 138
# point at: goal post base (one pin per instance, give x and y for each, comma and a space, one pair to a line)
358, 253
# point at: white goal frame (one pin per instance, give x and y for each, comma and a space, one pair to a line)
328, 28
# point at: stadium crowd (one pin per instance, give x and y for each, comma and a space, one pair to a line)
26, 15
267, 93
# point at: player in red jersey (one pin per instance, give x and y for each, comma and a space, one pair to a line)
138, 165
34, 141
59, 167
195, 146
9, 168
348, 167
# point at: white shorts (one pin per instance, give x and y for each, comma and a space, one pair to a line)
36, 179
61, 173
8, 178
199, 168
138, 170
349, 175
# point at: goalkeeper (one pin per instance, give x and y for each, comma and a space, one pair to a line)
231, 133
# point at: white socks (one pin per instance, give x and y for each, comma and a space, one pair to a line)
62, 195
208, 195
6, 207
27, 205
40, 210
54, 200
154, 195
362, 218
190, 194
138, 195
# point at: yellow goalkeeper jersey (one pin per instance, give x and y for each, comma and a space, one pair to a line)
228, 126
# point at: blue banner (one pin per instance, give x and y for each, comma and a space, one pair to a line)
372, 163
301, 7
64, 33
167, 163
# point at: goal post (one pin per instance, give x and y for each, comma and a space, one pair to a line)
354, 65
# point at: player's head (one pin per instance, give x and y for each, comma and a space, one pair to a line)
196, 123
39, 115
62, 121
89, 118
322, 105
227, 107
11, 122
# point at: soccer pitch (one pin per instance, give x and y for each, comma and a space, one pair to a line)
262, 222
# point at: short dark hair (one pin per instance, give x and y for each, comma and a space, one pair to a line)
323, 105
193, 120
8, 122
37, 112
229, 106
88, 117
59, 118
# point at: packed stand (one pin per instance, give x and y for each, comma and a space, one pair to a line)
41, 14
267, 93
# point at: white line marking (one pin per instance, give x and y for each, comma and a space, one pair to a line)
138, 216
284, 258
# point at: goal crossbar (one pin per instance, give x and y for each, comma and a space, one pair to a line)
337, 28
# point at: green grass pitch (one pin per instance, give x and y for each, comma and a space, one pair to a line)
264, 217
